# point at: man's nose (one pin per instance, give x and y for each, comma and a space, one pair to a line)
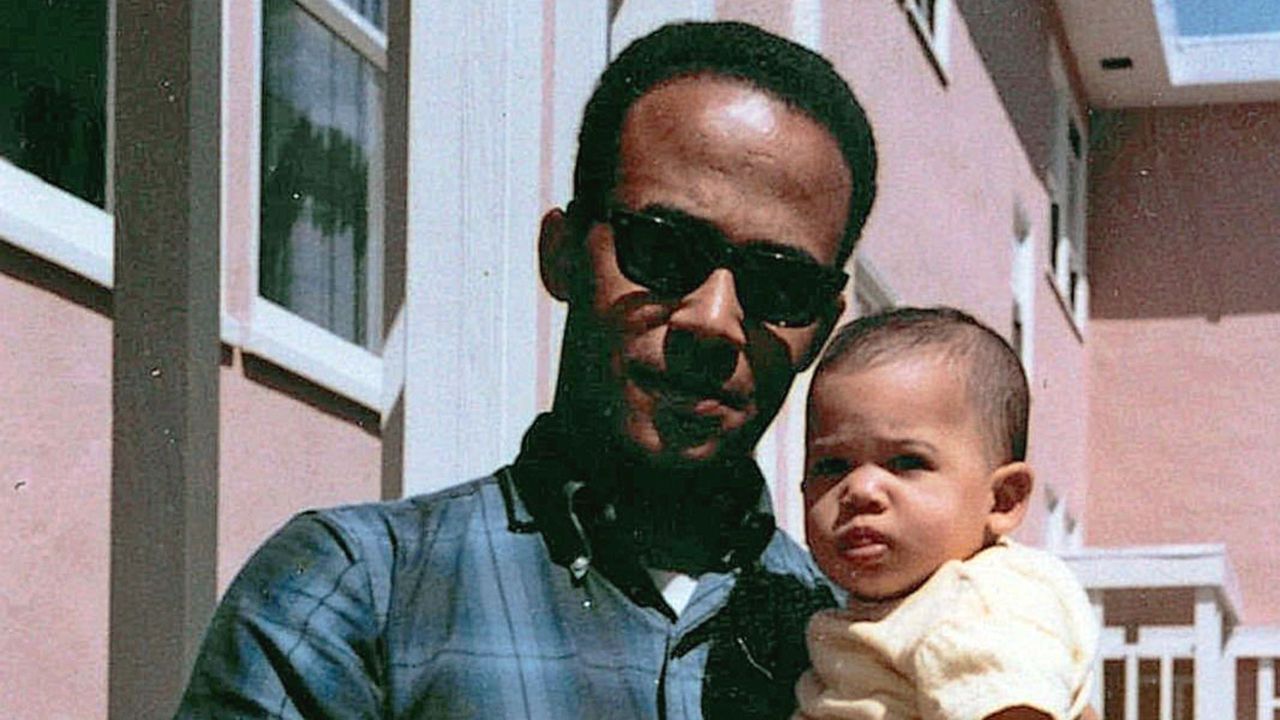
705, 331
712, 310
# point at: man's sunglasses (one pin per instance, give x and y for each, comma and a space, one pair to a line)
672, 257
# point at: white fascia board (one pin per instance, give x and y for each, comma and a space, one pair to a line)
54, 224
287, 340
1159, 566
1153, 641
1224, 59
1236, 59
1254, 641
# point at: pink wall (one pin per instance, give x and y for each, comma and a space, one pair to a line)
953, 175
55, 492
772, 15
283, 450
1185, 409
285, 445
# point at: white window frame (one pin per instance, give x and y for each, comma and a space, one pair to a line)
49, 222
271, 331
1023, 287
1072, 240
935, 36
871, 292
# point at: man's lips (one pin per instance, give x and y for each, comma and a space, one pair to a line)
699, 397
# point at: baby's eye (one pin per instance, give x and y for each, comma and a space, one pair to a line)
906, 463
829, 467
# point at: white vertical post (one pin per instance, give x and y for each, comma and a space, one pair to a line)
639, 17
1131, 683
474, 119
581, 39
1208, 656
1266, 688
1096, 598
806, 23
1166, 687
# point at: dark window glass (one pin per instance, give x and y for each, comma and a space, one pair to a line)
53, 80
928, 9
321, 226
1055, 233
1113, 699
1015, 337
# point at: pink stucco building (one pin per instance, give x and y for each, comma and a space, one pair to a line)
317, 279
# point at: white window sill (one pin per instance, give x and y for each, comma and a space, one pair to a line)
1065, 304
310, 351
56, 225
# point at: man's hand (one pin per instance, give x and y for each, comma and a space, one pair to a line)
1021, 712
1026, 713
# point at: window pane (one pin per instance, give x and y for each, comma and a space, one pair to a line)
322, 200
53, 79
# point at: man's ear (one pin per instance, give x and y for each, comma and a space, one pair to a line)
559, 253
825, 324
1011, 486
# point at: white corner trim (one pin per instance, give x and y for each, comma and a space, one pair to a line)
56, 225
277, 335
807, 23
867, 279
393, 362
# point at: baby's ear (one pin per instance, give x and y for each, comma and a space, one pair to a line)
1011, 486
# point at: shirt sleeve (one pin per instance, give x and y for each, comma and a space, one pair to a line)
1020, 640
297, 634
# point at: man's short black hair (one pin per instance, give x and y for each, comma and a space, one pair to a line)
789, 72
995, 380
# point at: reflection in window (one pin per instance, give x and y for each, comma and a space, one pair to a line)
53, 79
322, 177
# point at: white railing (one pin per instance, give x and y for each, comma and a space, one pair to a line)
1167, 645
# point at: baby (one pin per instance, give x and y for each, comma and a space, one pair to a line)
914, 477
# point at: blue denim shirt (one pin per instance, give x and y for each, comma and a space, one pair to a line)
451, 605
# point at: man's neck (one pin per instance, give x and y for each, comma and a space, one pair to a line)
684, 519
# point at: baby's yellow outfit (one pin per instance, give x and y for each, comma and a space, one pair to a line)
1010, 626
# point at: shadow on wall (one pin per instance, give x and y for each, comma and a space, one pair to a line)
1184, 212
38, 272
319, 398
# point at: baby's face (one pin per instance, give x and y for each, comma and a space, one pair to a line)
897, 479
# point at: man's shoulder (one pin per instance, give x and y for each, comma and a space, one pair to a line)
401, 521
784, 556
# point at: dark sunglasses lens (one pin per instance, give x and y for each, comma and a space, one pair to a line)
653, 254
782, 291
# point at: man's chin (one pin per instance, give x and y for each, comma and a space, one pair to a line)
674, 449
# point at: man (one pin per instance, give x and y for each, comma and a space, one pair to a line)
625, 565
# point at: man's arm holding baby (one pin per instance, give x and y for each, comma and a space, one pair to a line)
1027, 713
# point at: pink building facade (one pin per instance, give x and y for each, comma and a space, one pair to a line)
397, 341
